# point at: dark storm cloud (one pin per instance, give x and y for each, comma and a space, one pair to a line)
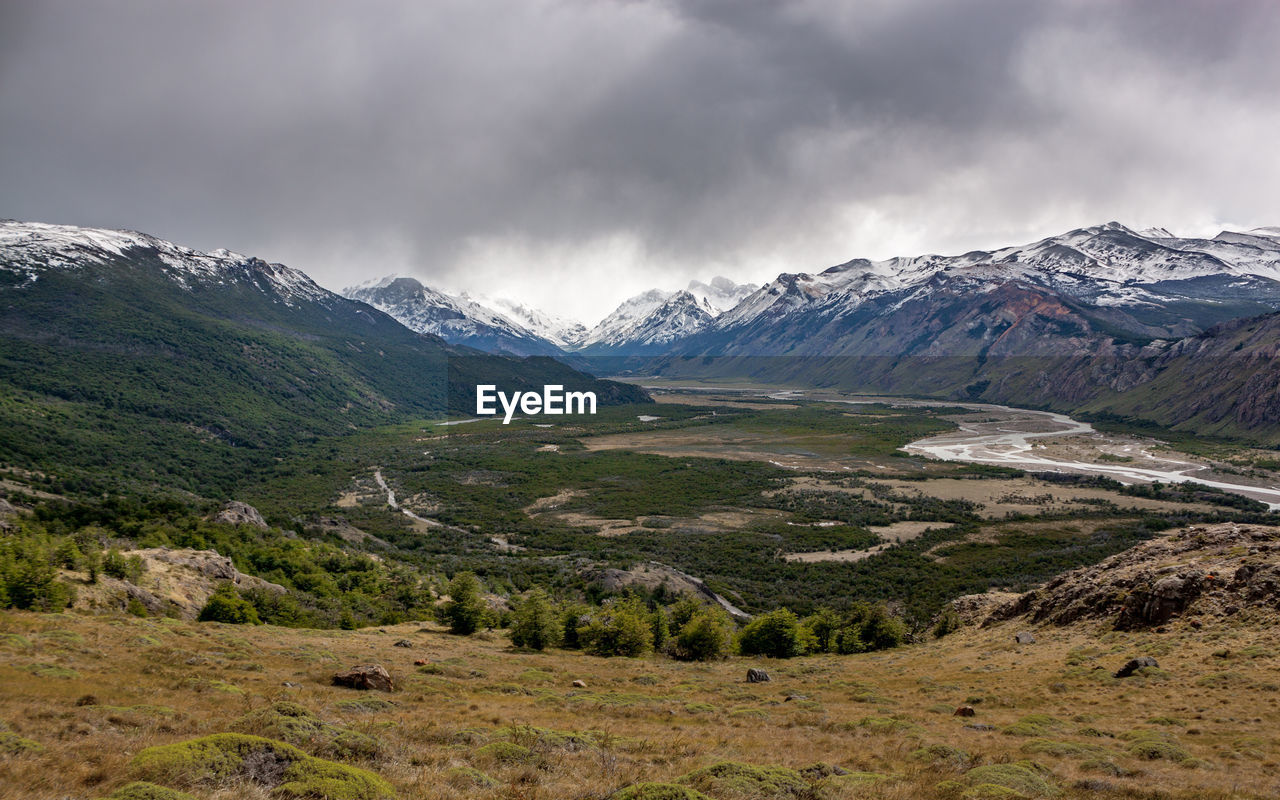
471, 142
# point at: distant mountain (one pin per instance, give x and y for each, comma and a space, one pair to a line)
1069, 322
563, 333
127, 355
652, 322
458, 319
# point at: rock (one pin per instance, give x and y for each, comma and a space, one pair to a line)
964, 711
291, 685
1135, 664
1162, 579
980, 726
1024, 637
87, 700
757, 676
579, 684
366, 677
403, 643
237, 513
791, 697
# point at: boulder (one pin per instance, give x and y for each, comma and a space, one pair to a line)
366, 677
579, 684
403, 643
757, 676
1135, 664
237, 513
1024, 637
964, 711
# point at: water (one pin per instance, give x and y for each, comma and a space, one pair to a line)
1010, 443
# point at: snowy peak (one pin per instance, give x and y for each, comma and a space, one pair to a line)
559, 330
720, 295
31, 248
458, 319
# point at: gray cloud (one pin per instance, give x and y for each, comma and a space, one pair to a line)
511, 147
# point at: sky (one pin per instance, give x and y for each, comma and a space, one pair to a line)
571, 154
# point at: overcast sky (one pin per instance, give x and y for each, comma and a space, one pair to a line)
571, 154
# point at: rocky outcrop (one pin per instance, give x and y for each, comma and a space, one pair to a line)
1134, 664
173, 583
757, 676
366, 677
237, 513
1210, 570
652, 574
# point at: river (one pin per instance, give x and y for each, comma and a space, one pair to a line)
1009, 441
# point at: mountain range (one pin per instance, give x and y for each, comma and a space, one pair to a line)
1100, 319
647, 324
1146, 326
126, 353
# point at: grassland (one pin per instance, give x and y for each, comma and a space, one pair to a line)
92, 692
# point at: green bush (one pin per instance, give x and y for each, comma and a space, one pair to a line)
657, 791
1023, 777
225, 759
465, 612
732, 779
535, 624
706, 636
619, 628
777, 634
226, 605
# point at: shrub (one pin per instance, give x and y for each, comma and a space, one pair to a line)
1153, 749
948, 622
535, 624
777, 634
1024, 777
140, 790
229, 758
465, 612
706, 636
657, 791
620, 628
226, 605
504, 753
730, 778
290, 722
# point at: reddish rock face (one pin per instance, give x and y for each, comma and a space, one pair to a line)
366, 677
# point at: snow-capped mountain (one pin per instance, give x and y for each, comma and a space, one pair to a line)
560, 331
654, 319
721, 294
1105, 265
458, 319
31, 248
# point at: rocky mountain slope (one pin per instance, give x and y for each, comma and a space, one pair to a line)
456, 319
1193, 576
655, 321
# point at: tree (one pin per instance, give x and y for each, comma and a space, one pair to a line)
466, 611
706, 636
621, 628
777, 635
572, 619
226, 605
535, 624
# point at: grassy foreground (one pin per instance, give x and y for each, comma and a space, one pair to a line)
82, 696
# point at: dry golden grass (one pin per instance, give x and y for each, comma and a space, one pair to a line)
654, 719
